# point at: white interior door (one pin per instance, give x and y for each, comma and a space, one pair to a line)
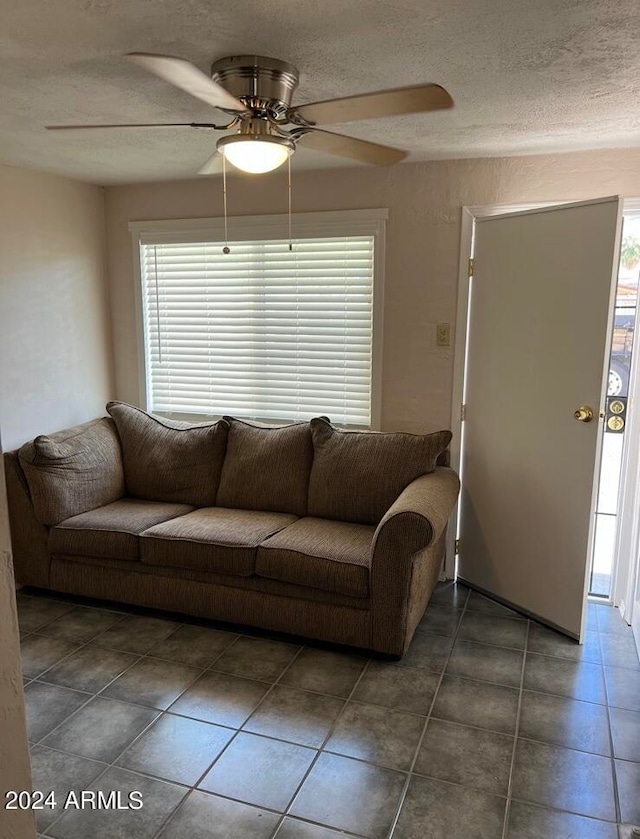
539, 322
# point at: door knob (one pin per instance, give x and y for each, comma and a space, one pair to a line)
584, 413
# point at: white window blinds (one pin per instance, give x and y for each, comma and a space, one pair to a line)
261, 332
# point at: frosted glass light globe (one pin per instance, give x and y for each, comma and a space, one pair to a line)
255, 155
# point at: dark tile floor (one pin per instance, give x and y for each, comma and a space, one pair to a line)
491, 726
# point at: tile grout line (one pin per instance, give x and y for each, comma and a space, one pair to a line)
211, 667
159, 711
232, 739
367, 762
113, 763
320, 750
40, 634
167, 711
240, 729
24, 633
138, 656
410, 774
41, 678
561, 696
614, 774
507, 809
90, 694
93, 641
175, 713
341, 834
549, 808
141, 656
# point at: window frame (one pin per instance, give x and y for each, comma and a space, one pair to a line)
371, 222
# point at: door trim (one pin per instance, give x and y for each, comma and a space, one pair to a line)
626, 583
627, 542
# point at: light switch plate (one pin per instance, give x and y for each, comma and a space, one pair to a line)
443, 334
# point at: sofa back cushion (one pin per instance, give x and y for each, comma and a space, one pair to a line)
357, 475
170, 461
266, 467
74, 470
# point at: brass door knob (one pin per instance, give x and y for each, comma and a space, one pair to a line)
584, 413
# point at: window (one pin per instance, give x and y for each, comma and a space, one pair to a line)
263, 332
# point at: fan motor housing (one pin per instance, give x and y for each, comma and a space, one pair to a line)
260, 82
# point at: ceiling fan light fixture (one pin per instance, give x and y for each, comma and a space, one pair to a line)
255, 154
256, 92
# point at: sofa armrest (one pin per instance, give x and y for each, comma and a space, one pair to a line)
407, 551
31, 558
419, 515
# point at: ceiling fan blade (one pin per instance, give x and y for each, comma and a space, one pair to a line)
189, 78
133, 125
382, 103
362, 150
213, 166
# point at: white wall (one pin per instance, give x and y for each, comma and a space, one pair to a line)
55, 346
422, 247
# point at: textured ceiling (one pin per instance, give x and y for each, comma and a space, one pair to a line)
527, 76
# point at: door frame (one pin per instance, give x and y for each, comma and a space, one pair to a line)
626, 580
627, 545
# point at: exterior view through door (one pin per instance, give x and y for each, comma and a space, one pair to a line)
608, 578
536, 376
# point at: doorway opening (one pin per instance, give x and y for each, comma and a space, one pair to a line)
615, 425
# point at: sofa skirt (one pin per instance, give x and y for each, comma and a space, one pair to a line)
335, 623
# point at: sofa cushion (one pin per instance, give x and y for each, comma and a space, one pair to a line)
111, 531
357, 475
266, 467
213, 539
165, 460
329, 555
73, 470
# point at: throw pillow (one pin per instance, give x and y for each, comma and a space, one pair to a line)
166, 460
357, 475
266, 467
74, 470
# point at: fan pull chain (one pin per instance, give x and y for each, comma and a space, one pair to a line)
226, 248
289, 188
155, 269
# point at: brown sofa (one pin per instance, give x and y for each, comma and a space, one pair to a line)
305, 529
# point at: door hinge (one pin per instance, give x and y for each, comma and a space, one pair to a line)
456, 547
463, 412
471, 266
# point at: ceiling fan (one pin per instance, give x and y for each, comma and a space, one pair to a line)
256, 93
